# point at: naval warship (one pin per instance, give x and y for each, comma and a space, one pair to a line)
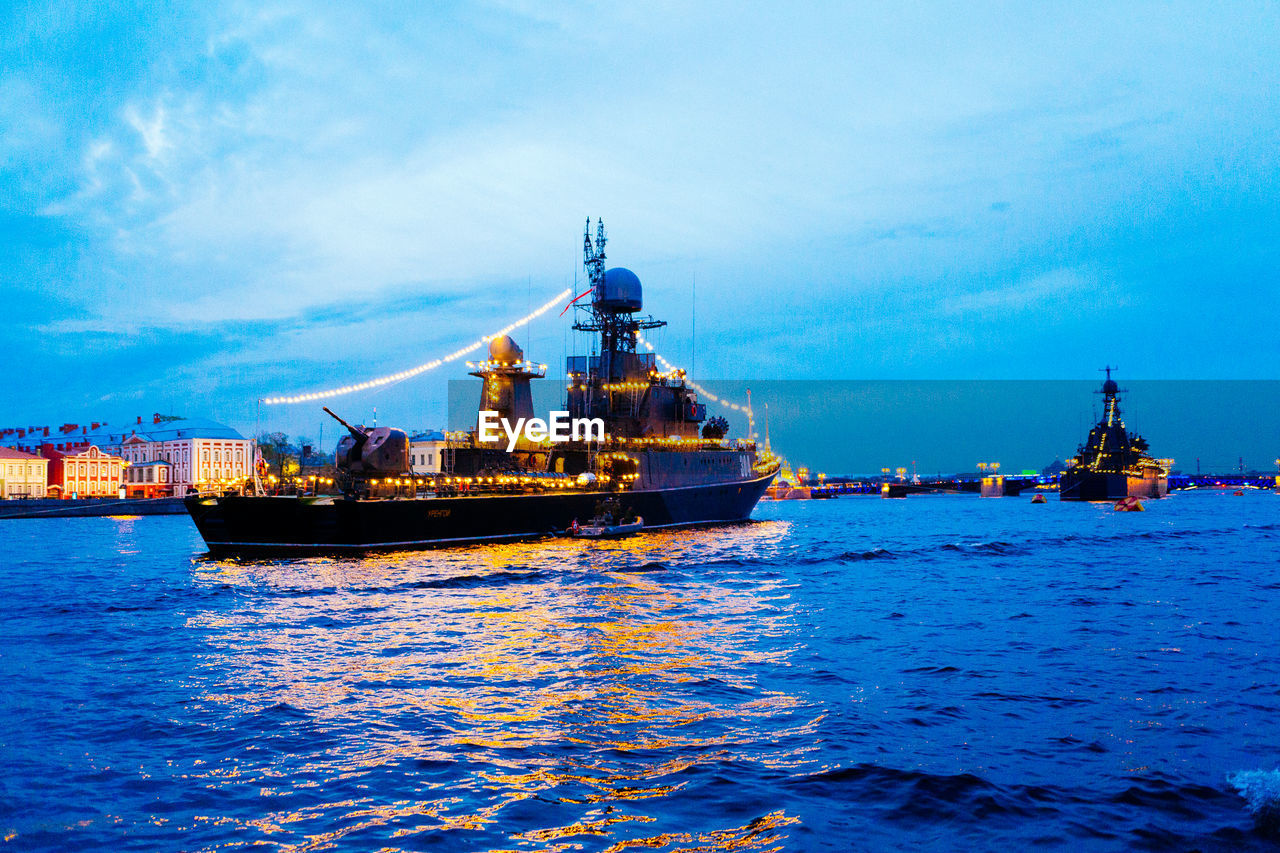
659, 458
1113, 463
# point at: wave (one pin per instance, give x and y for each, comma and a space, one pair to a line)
775, 559
998, 548
860, 556
917, 795
466, 581
1261, 790
984, 547
1147, 813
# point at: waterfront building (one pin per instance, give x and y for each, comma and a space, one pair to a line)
22, 474
149, 479
85, 471
200, 453
426, 451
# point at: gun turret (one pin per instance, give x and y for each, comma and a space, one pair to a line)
377, 452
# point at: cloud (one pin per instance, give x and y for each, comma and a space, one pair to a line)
275, 182
1045, 295
152, 130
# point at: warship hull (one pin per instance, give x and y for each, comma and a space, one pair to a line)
1101, 486
247, 525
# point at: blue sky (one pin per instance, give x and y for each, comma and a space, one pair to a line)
210, 204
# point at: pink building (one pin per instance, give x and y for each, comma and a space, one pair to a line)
84, 472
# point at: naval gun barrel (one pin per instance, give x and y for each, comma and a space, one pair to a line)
356, 433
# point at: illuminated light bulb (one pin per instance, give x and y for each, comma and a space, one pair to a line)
422, 368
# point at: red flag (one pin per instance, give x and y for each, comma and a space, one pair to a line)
575, 299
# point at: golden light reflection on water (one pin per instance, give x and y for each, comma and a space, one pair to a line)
559, 672
125, 533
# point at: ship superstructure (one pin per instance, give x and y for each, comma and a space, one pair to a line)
1113, 462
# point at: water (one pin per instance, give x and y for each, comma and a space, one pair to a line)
933, 673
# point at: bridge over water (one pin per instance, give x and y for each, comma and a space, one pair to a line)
1014, 484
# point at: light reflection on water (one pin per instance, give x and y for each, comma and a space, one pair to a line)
576, 680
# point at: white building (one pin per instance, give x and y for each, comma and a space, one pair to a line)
425, 452
200, 453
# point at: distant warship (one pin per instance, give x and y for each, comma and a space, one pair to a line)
1113, 463
660, 458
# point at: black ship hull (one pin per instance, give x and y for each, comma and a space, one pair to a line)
293, 525
1101, 486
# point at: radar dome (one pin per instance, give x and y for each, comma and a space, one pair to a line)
620, 292
504, 349
1110, 387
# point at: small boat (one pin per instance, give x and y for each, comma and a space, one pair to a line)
1129, 504
1038, 499
605, 529
1239, 493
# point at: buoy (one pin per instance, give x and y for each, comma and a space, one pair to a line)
1129, 504
1038, 499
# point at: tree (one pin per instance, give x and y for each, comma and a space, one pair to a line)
274, 447
716, 428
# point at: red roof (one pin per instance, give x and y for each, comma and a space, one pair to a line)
75, 450
10, 453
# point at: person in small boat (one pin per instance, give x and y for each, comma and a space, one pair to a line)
605, 513
574, 527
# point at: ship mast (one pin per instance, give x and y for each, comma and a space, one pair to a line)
616, 324
1110, 390
621, 385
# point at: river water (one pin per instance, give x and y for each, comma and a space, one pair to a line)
931, 673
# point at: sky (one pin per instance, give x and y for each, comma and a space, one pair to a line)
209, 204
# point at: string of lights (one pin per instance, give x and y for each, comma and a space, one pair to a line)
745, 408
421, 368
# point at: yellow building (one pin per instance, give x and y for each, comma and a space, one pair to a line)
22, 475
